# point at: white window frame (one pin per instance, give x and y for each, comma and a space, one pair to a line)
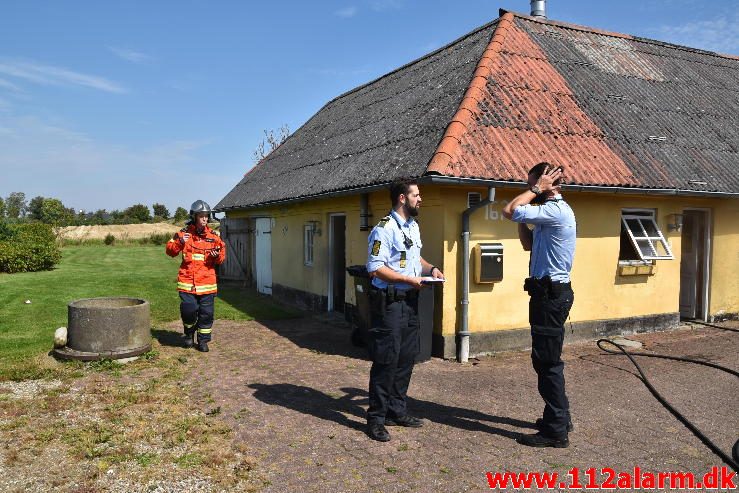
308, 236
643, 216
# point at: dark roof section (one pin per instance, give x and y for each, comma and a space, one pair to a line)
380, 131
616, 110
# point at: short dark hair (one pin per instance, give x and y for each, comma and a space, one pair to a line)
400, 187
540, 168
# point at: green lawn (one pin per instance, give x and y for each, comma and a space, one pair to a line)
26, 330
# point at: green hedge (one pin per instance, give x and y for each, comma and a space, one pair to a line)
27, 248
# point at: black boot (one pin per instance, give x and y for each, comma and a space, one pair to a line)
539, 440
570, 426
377, 431
203, 347
187, 340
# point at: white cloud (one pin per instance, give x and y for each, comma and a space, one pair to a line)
131, 55
346, 12
720, 34
51, 75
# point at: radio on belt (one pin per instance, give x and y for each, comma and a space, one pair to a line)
488, 262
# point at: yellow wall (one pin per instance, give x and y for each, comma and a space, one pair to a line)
724, 293
288, 268
600, 292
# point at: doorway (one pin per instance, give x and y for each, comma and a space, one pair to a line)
694, 264
337, 262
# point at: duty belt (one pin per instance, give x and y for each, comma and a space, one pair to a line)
393, 294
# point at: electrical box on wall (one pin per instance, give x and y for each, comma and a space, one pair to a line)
488, 262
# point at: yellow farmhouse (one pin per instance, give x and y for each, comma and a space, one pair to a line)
648, 133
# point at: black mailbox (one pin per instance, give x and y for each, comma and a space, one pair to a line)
488, 262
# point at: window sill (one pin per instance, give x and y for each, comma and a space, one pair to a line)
636, 268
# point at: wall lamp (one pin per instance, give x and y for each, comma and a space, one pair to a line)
675, 222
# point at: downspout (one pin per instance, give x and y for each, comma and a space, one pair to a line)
364, 213
464, 333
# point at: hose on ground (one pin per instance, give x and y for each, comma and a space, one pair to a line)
733, 463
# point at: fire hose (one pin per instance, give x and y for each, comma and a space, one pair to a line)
732, 462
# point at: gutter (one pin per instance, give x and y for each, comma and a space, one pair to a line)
464, 333
479, 182
337, 193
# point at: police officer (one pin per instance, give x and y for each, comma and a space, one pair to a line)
552, 246
202, 249
396, 267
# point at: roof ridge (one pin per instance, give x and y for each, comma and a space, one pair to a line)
579, 27
458, 125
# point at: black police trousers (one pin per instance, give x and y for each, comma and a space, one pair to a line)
549, 308
393, 344
196, 311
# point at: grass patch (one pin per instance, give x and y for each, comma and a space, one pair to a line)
89, 271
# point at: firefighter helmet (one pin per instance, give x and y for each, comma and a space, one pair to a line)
200, 206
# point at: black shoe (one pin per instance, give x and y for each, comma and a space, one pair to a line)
539, 440
203, 347
570, 426
187, 341
377, 431
408, 421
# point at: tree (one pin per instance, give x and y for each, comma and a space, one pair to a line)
138, 212
35, 206
180, 214
273, 139
100, 217
2, 209
53, 212
161, 211
15, 205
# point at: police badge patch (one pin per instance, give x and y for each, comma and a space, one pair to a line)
376, 247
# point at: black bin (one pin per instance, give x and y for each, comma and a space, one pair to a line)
363, 319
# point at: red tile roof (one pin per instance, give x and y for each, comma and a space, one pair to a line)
613, 109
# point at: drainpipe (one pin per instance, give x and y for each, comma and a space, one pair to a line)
464, 333
364, 214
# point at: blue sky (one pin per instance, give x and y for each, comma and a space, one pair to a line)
107, 104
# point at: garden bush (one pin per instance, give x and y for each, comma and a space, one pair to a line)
28, 248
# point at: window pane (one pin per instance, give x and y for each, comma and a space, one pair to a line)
651, 227
645, 247
661, 251
635, 227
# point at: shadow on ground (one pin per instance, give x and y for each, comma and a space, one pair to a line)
313, 402
168, 337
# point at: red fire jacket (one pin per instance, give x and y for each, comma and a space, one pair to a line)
197, 274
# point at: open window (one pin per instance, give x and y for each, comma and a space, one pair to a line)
308, 232
641, 238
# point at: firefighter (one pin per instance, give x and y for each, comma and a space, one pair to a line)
202, 249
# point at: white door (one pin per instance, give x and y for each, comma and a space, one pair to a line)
264, 255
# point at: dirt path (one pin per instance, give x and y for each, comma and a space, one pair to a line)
279, 406
302, 398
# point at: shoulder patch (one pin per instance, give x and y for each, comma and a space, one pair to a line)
376, 247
